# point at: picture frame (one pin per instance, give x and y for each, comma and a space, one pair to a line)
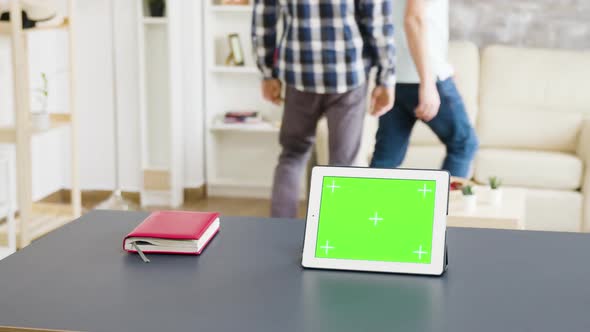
236, 55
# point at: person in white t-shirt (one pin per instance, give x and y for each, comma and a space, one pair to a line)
425, 89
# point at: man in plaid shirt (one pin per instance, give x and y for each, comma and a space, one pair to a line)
324, 55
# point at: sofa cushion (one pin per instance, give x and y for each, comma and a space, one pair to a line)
532, 169
424, 157
533, 98
526, 127
418, 156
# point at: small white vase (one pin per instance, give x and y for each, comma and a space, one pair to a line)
469, 202
496, 197
40, 120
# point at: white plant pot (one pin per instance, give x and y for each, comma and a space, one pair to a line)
469, 202
40, 121
496, 197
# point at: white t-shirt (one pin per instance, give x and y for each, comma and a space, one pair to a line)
437, 30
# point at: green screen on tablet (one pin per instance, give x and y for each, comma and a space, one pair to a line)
388, 220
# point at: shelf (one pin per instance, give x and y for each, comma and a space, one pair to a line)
56, 121
155, 20
5, 27
234, 70
8, 134
264, 127
232, 8
32, 224
240, 155
52, 126
160, 102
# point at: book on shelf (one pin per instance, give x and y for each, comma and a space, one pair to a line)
249, 117
234, 2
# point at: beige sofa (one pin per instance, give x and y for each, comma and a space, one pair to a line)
531, 110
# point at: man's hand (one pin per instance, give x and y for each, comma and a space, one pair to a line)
429, 102
382, 100
271, 90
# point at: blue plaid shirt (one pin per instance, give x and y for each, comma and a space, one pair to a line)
328, 46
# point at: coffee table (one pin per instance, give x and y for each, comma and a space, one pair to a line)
510, 214
250, 279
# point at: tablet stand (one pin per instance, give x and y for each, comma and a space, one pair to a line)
446, 258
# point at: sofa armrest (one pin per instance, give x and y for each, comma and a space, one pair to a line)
583, 152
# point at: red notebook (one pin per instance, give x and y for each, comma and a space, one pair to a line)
173, 232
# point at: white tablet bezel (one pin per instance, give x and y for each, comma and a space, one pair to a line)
437, 263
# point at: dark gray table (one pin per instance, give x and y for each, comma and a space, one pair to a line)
250, 279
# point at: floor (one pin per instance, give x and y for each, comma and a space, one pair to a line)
252, 207
234, 206
226, 206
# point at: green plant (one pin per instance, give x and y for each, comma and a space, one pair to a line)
495, 182
467, 190
43, 92
45, 84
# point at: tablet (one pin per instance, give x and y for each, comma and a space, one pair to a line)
382, 220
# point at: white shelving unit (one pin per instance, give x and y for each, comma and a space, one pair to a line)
154, 20
161, 104
249, 128
240, 158
234, 70
30, 224
6, 208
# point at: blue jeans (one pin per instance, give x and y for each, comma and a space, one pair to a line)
451, 125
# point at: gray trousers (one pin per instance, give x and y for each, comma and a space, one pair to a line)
344, 113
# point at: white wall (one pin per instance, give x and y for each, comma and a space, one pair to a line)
127, 94
194, 117
96, 115
94, 98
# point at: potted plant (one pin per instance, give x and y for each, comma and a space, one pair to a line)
469, 198
495, 190
157, 8
39, 113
